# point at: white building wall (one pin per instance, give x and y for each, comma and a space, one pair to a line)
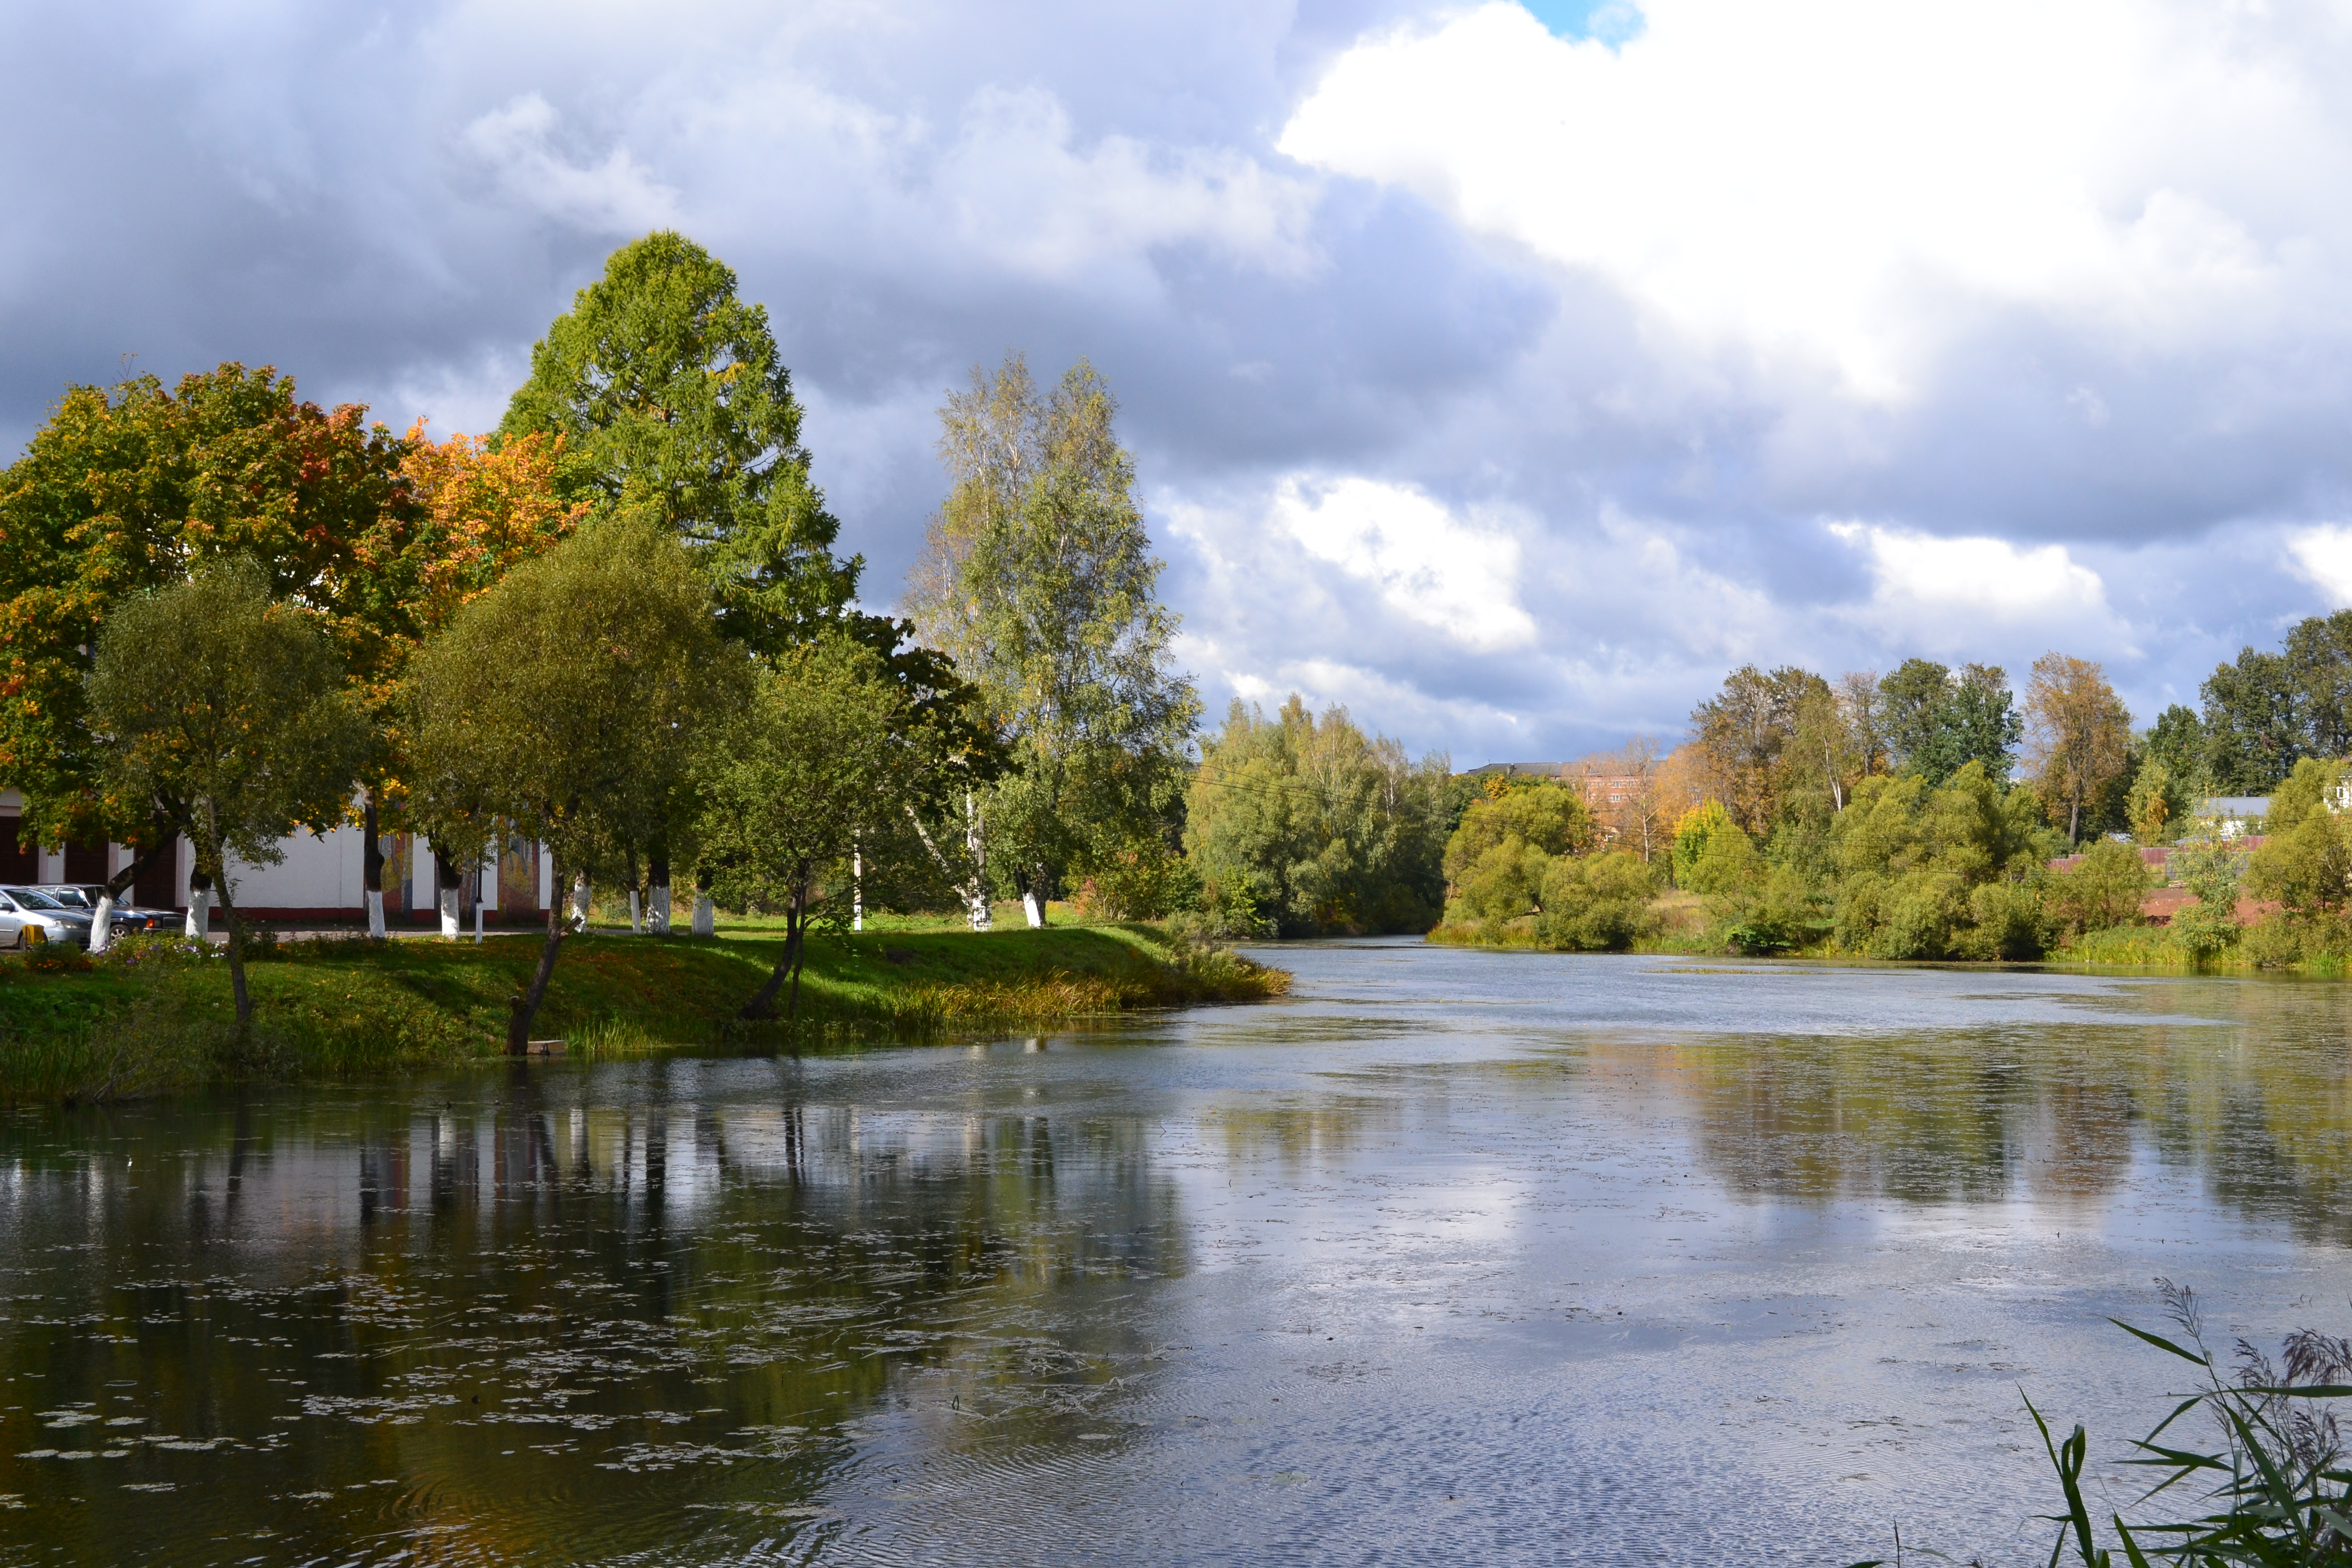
316, 874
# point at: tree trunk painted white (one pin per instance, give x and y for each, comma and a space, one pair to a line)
200, 913
659, 918
478, 922
975, 844
375, 913
449, 913
706, 915
579, 900
1032, 906
101, 924
637, 916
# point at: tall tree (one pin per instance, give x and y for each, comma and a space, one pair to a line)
565, 702
2080, 735
677, 407
2318, 655
130, 489
1937, 720
225, 716
2253, 723
1056, 618
1744, 733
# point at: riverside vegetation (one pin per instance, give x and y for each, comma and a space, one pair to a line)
1880, 818
157, 1014
616, 634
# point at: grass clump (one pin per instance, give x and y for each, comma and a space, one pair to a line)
156, 1013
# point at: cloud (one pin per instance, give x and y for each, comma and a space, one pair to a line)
1459, 578
1852, 184
616, 195
1948, 591
2323, 555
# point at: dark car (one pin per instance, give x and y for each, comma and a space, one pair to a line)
84, 895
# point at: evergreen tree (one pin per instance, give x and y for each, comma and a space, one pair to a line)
675, 406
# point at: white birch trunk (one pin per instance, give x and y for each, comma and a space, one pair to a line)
975, 844
478, 922
101, 924
375, 913
449, 913
857, 885
637, 916
660, 918
706, 916
579, 900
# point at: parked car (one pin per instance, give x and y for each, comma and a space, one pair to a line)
84, 896
23, 910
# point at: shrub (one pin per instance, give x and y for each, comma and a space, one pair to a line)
2308, 870
1699, 828
1503, 883
1596, 903
2008, 922
1925, 913
2103, 888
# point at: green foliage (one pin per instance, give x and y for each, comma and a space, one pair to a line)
226, 719
2309, 868
2307, 788
1547, 818
1938, 720
1312, 828
2253, 735
2210, 870
786, 781
2104, 888
1047, 595
1727, 862
1697, 828
567, 702
1912, 857
2277, 1491
1505, 881
676, 409
1596, 903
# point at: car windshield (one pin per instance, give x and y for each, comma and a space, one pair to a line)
33, 900
72, 897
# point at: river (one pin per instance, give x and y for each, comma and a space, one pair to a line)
1453, 1256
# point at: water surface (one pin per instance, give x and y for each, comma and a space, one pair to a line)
1456, 1257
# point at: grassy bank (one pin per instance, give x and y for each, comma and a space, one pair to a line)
156, 1018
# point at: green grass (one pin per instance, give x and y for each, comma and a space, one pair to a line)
151, 1019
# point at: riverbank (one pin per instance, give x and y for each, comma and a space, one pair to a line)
156, 1017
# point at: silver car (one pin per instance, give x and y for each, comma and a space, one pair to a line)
24, 910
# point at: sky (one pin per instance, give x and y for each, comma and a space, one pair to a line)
1508, 373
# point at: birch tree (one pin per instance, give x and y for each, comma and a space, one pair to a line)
226, 717
1039, 581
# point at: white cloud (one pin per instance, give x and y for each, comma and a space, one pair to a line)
617, 195
1980, 577
2323, 555
1430, 566
1845, 179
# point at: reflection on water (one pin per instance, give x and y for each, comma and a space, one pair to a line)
1457, 1256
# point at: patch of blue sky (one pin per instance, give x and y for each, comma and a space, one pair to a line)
1611, 22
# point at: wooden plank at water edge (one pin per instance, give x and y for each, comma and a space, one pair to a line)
543, 1048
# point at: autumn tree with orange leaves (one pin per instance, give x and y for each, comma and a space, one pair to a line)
130, 489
